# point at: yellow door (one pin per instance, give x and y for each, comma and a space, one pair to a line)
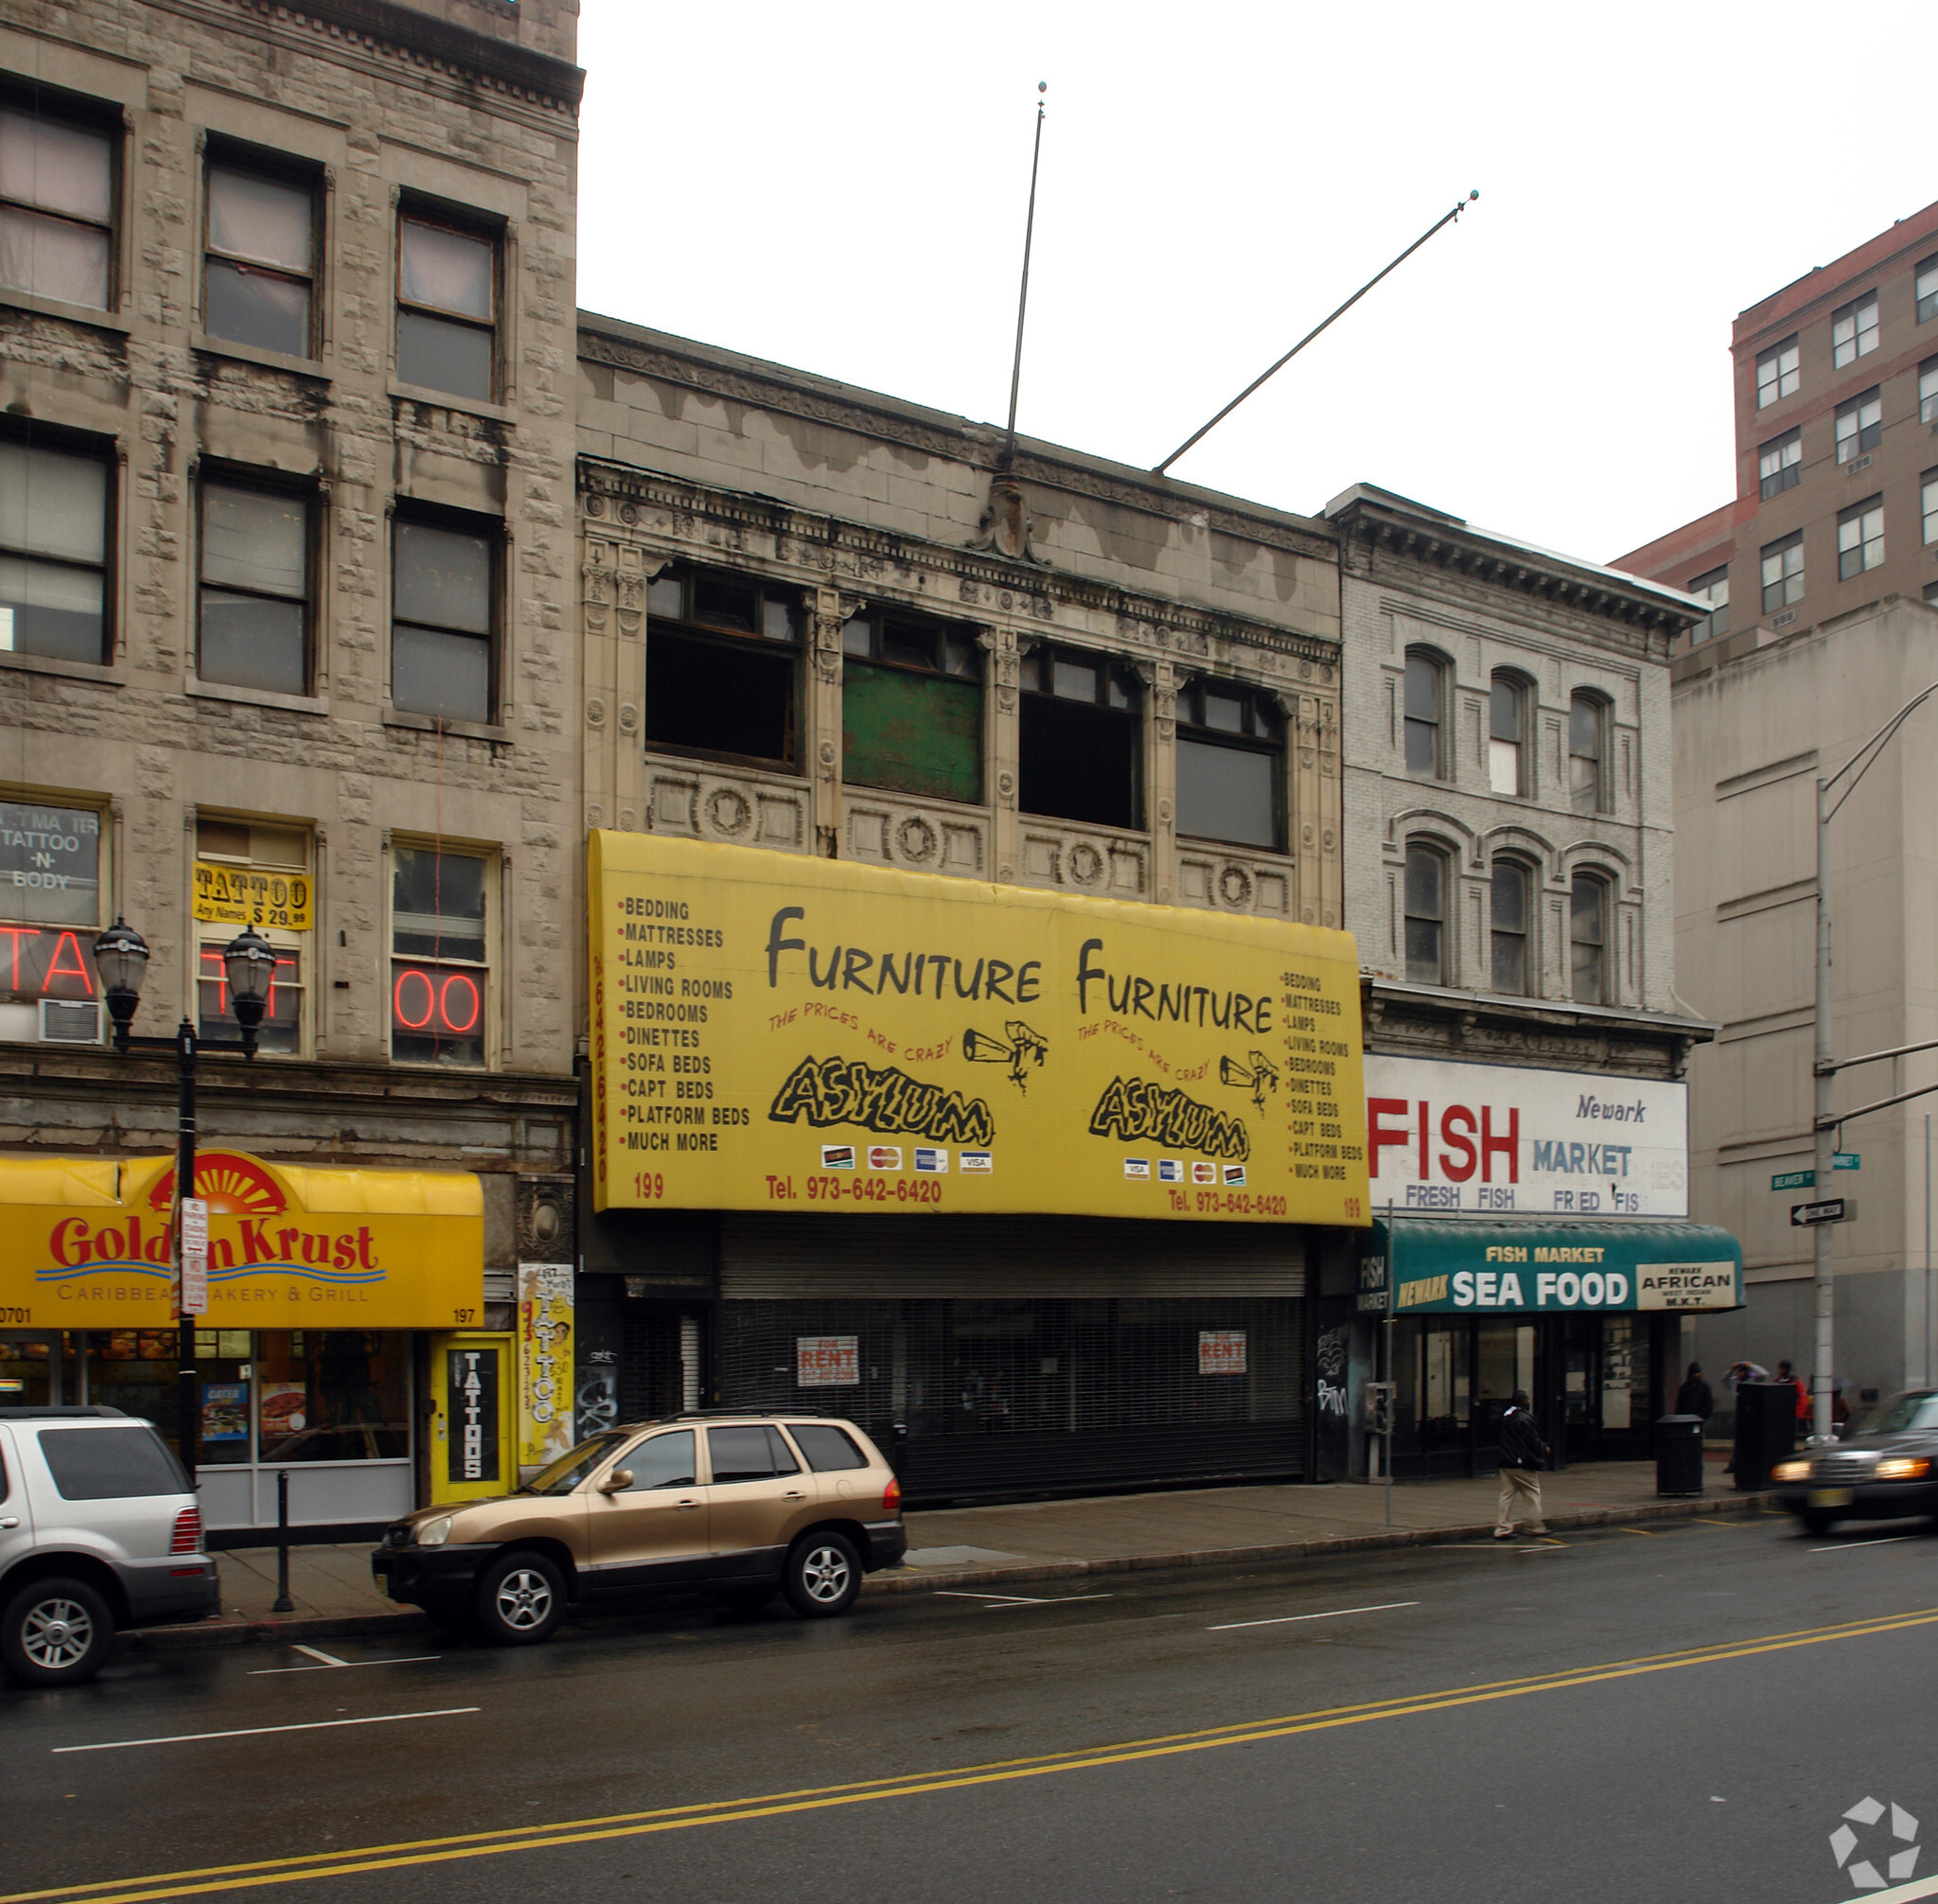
471, 1416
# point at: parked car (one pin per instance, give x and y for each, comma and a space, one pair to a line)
98, 1531
742, 1505
1887, 1469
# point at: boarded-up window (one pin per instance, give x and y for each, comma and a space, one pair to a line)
911, 707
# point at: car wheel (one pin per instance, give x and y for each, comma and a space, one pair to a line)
55, 1632
824, 1575
1817, 1521
748, 1599
521, 1600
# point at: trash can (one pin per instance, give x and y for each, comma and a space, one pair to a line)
1679, 1455
1766, 1432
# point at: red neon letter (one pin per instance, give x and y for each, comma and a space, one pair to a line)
396, 998
450, 1024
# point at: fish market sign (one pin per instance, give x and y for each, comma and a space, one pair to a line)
1502, 1139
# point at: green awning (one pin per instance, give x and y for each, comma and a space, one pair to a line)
1425, 1265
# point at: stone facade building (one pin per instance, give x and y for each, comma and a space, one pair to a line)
287, 634
1507, 809
822, 621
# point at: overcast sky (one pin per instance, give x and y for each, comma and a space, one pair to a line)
841, 188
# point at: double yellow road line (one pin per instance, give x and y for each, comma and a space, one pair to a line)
213, 1880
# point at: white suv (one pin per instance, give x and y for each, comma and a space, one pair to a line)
98, 1531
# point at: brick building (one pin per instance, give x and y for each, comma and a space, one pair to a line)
1836, 397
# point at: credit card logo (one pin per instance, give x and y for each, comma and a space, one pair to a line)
1234, 1176
837, 1156
936, 1162
976, 1163
885, 1156
1170, 1171
1137, 1167
1204, 1173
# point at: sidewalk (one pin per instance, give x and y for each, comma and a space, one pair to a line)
332, 1594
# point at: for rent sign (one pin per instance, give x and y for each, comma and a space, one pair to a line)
1498, 1139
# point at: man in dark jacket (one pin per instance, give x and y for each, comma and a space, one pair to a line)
1524, 1454
1694, 1396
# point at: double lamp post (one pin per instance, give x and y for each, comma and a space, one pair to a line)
249, 964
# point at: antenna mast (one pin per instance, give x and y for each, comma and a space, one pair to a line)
1023, 298
1460, 207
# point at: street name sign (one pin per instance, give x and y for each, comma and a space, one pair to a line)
1794, 1180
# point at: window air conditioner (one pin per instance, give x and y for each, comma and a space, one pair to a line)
70, 1021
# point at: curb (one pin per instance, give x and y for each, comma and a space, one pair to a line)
901, 1580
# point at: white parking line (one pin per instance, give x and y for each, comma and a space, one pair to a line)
410, 1659
1292, 1620
1006, 1600
257, 1731
1845, 1546
329, 1659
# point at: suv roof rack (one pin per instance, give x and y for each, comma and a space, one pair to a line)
64, 1410
742, 1413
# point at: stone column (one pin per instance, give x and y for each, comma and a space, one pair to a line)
1002, 748
1160, 776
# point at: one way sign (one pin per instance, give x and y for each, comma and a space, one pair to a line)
1832, 1210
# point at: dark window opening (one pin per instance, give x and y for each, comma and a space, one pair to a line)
723, 667
1082, 740
1231, 766
911, 706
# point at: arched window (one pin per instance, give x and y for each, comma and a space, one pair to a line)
1510, 914
1587, 779
1425, 698
1426, 914
1507, 733
1588, 938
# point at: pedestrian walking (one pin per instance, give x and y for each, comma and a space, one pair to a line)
1524, 1454
1695, 1397
1786, 1374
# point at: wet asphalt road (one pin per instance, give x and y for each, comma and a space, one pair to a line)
1010, 1743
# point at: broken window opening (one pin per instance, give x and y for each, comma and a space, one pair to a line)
1081, 739
723, 663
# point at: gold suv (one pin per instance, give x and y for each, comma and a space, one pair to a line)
743, 1506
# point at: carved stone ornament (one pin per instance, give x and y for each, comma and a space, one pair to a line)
1007, 526
628, 717
595, 712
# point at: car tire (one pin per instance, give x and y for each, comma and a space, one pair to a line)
520, 1600
56, 1631
1817, 1521
750, 1599
823, 1574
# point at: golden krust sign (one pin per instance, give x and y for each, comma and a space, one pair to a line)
89, 1243
781, 1033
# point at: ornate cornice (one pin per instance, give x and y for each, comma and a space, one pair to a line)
607, 491
796, 394
385, 28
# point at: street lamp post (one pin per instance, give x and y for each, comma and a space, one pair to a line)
249, 963
1826, 1123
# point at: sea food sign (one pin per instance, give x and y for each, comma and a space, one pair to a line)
89, 1245
773, 1031
1499, 1139
1488, 1269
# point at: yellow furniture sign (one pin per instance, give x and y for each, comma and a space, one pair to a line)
88, 1243
239, 895
779, 1032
